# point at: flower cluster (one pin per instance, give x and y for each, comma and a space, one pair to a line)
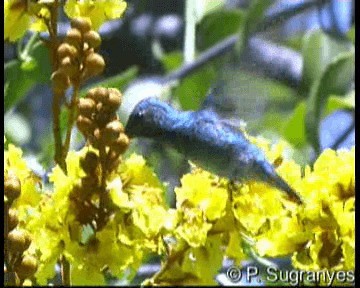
77, 57
21, 196
21, 16
135, 218
215, 217
24, 15
97, 11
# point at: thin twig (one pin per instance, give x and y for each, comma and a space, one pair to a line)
71, 119
57, 97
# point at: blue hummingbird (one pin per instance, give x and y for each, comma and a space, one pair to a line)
204, 138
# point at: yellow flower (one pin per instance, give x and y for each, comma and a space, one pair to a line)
98, 11
193, 228
199, 190
319, 234
30, 192
23, 15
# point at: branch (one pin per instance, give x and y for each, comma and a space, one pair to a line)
287, 63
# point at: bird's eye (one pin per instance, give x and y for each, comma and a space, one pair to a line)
141, 114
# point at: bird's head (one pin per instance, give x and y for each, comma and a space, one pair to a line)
147, 118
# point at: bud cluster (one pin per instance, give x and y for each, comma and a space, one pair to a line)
17, 240
76, 56
86, 196
99, 123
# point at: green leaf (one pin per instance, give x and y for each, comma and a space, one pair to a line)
256, 14
338, 102
253, 18
18, 83
42, 68
336, 79
294, 128
218, 25
118, 81
21, 76
351, 34
172, 60
193, 89
319, 49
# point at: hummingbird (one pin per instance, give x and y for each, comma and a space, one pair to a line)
207, 140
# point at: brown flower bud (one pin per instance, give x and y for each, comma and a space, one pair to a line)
66, 50
121, 144
60, 81
73, 37
13, 220
99, 94
97, 134
90, 183
68, 67
85, 125
90, 162
27, 239
26, 267
82, 24
112, 131
17, 241
92, 38
12, 187
114, 99
86, 106
94, 65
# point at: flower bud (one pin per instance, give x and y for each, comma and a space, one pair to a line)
99, 94
86, 106
114, 99
85, 125
66, 50
26, 267
120, 144
97, 134
13, 220
89, 183
17, 241
68, 67
60, 81
82, 24
94, 65
90, 162
92, 38
12, 187
27, 239
112, 131
73, 37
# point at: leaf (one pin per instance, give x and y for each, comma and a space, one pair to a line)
21, 76
193, 89
336, 79
18, 83
337, 102
294, 128
217, 26
42, 68
319, 49
118, 81
351, 34
204, 7
253, 18
172, 60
